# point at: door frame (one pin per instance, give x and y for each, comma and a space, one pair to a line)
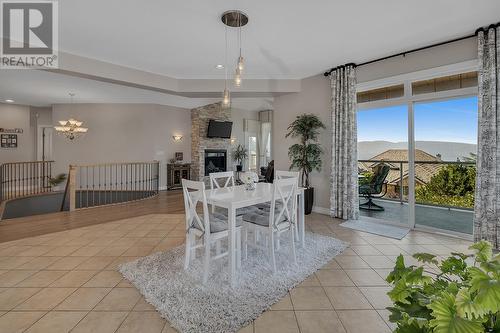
40, 148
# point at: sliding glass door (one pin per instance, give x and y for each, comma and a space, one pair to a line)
424, 135
383, 163
445, 163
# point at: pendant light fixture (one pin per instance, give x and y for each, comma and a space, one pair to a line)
226, 95
236, 19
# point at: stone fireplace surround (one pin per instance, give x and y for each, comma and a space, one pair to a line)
199, 141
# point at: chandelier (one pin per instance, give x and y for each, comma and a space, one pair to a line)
71, 128
233, 19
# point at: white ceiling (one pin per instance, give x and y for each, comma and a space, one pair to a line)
284, 38
42, 88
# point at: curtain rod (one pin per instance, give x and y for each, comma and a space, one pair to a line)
327, 73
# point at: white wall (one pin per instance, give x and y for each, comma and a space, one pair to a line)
123, 133
316, 95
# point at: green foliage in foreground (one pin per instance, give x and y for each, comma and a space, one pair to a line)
447, 296
453, 185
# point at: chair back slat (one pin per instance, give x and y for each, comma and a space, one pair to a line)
215, 176
279, 174
285, 191
194, 193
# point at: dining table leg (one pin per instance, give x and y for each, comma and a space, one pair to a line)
302, 219
232, 244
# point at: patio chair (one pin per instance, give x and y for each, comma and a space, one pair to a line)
377, 188
207, 227
278, 220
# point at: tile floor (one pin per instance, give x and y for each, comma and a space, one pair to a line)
68, 281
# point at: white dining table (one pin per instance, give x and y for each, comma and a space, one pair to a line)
235, 197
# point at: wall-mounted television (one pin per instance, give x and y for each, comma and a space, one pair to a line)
219, 129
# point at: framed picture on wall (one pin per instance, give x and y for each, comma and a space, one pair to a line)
179, 156
8, 141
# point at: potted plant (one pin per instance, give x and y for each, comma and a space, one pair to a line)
306, 155
56, 181
457, 294
239, 155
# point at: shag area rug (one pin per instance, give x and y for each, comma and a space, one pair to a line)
190, 306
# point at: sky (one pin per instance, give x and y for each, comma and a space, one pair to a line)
452, 120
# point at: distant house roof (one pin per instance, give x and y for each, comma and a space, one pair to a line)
423, 172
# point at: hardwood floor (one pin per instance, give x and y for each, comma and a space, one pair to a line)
167, 202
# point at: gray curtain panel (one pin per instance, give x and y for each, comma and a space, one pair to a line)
487, 200
344, 175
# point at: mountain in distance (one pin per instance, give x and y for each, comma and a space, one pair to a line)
449, 151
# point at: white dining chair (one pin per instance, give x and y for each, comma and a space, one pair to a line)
215, 183
279, 219
279, 174
227, 178
215, 178
206, 228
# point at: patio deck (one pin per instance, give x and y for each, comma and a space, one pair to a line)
429, 216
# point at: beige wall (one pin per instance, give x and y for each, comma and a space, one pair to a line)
27, 118
443, 55
314, 98
123, 133
17, 116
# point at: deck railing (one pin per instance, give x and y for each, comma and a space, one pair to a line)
111, 183
400, 194
20, 179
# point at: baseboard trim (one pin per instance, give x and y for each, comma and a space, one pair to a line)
321, 210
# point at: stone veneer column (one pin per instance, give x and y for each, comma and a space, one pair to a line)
199, 141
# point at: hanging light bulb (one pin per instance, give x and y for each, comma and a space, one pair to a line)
226, 98
241, 64
237, 78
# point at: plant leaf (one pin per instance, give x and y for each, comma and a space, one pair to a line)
426, 258
399, 271
453, 265
487, 288
447, 320
466, 306
484, 250
416, 277
400, 292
